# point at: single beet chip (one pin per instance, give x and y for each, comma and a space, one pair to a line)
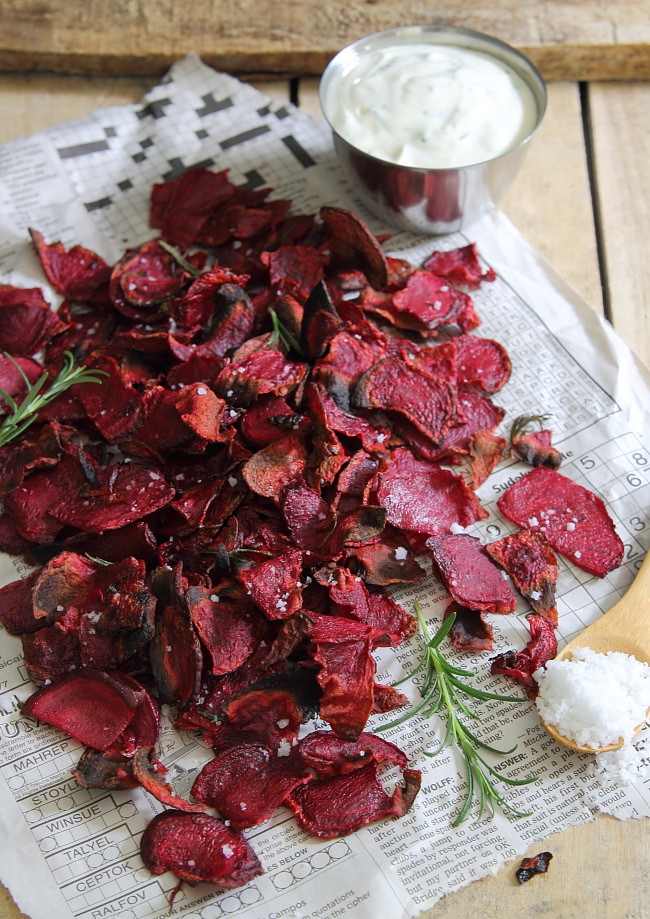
483, 363
574, 520
196, 847
92, 707
273, 584
471, 631
328, 755
460, 266
532, 565
149, 774
269, 715
469, 575
77, 273
348, 228
521, 665
343, 804
529, 867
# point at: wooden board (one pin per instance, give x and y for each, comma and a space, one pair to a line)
590, 39
551, 206
621, 146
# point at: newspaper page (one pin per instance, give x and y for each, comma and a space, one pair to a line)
68, 852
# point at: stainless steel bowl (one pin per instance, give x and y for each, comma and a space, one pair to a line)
431, 201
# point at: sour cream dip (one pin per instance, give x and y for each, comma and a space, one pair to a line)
435, 106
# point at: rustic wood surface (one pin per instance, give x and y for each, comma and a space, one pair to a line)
600, 870
585, 40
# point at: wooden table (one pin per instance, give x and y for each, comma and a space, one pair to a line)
583, 199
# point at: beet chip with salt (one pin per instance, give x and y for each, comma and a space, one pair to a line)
428, 304
248, 782
349, 229
531, 563
347, 670
270, 420
11, 378
294, 270
273, 584
390, 623
309, 519
471, 631
460, 266
176, 658
78, 273
521, 665
226, 630
269, 471
424, 498
259, 372
469, 575
26, 320
196, 847
574, 520
427, 403
114, 406
388, 562
50, 653
327, 755
90, 706
143, 279
483, 363
180, 207
338, 806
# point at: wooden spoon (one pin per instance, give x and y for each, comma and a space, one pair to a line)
626, 628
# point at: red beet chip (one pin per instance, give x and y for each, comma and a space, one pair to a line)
348, 358
294, 270
176, 659
460, 266
347, 669
469, 575
150, 776
196, 847
259, 372
50, 654
327, 755
471, 631
273, 584
485, 453
39, 449
531, 563
439, 361
269, 471
270, 715
480, 414
63, 583
90, 706
350, 230
95, 770
31, 502
360, 527
388, 562
390, 623
217, 301
143, 279
341, 805
521, 665
123, 493
574, 520
11, 379
248, 782
226, 629
16, 610
483, 363
309, 519
26, 320
77, 273
114, 406
173, 419
180, 207
270, 420
424, 498
428, 404
529, 867
144, 729
324, 411
197, 369
533, 447
429, 303
136, 539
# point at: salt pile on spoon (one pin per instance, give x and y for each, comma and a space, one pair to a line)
594, 699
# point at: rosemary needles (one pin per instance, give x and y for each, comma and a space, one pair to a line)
444, 692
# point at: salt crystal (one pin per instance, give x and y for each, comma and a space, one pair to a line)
191, 863
59, 608
214, 598
243, 806
169, 649
533, 522
536, 595
351, 295
283, 723
570, 526
504, 576
284, 749
401, 553
380, 438
578, 553
227, 850
457, 529
232, 413
229, 392
594, 699
232, 481
201, 391
444, 289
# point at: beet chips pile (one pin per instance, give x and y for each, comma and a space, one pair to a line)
216, 523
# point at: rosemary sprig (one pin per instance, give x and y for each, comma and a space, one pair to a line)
182, 261
282, 335
442, 688
22, 415
521, 424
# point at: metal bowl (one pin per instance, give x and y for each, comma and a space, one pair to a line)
431, 201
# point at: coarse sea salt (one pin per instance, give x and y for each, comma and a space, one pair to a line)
594, 699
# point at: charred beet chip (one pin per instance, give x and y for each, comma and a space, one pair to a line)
531, 563
422, 497
534, 447
270, 420
95, 770
215, 301
176, 659
469, 575
460, 266
347, 670
196, 847
248, 782
26, 320
340, 805
259, 372
387, 562
327, 755
348, 229
269, 471
471, 631
521, 665
149, 776
51, 653
574, 520
529, 867
78, 274
90, 706
482, 362
485, 453
273, 584
143, 279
